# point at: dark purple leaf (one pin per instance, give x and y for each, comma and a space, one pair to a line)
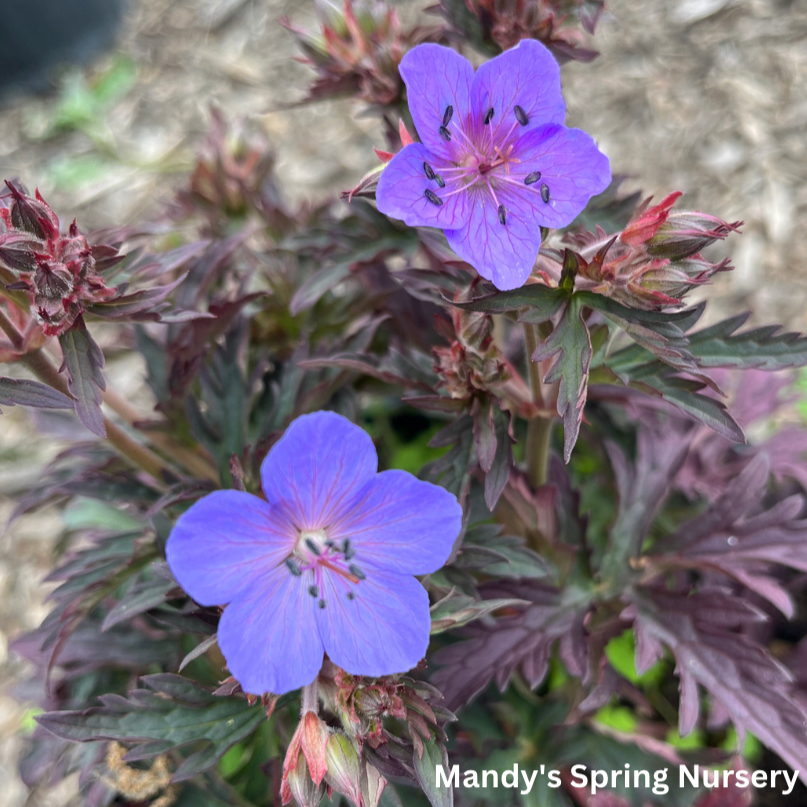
21, 391
85, 379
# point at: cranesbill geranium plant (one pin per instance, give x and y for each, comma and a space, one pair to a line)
489, 501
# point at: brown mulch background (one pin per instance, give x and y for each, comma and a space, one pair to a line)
705, 96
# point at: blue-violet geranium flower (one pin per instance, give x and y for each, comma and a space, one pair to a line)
496, 162
327, 564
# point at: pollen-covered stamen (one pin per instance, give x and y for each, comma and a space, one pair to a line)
448, 114
293, 567
532, 178
357, 572
488, 116
321, 603
347, 549
428, 170
312, 546
440, 181
313, 591
544, 193
521, 115
433, 197
502, 214
445, 134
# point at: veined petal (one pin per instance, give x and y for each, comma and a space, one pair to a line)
437, 77
383, 630
526, 76
571, 166
401, 524
224, 542
269, 636
320, 463
503, 253
402, 190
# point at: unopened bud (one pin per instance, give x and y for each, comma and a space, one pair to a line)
344, 767
303, 789
686, 232
372, 785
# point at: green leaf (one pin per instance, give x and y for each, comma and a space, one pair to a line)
21, 391
542, 301
426, 771
143, 597
174, 712
570, 341
455, 610
85, 379
761, 348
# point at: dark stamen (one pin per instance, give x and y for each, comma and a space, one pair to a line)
312, 546
544, 193
448, 114
347, 549
313, 591
321, 603
433, 197
502, 214
351, 595
330, 544
521, 115
357, 572
532, 178
440, 181
293, 567
428, 170
445, 134
488, 116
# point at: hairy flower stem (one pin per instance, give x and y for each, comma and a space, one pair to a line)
310, 699
539, 429
39, 364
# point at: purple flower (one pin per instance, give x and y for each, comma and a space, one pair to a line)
326, 565
496, 162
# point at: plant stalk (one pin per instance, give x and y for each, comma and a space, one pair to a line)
310, 699
539, 429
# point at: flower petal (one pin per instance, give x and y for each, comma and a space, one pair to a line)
503, 253
225, 541
571, 166
401, 524
320, 462
402, 187
269, 635
383, 630
436, 78
526, 75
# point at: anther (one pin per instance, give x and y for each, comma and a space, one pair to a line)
440, 181
293, 567
502, 214
544, 193
347, 549
429, 171
313, 591
488, 116
448, 114
445, 134
433, 197
351, 595
312, 546
532, 178
321, 603
521, 115
357, 572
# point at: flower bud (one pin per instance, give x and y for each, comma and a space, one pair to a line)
313, 741
344, 767
686, 232
372, 785
302, 788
